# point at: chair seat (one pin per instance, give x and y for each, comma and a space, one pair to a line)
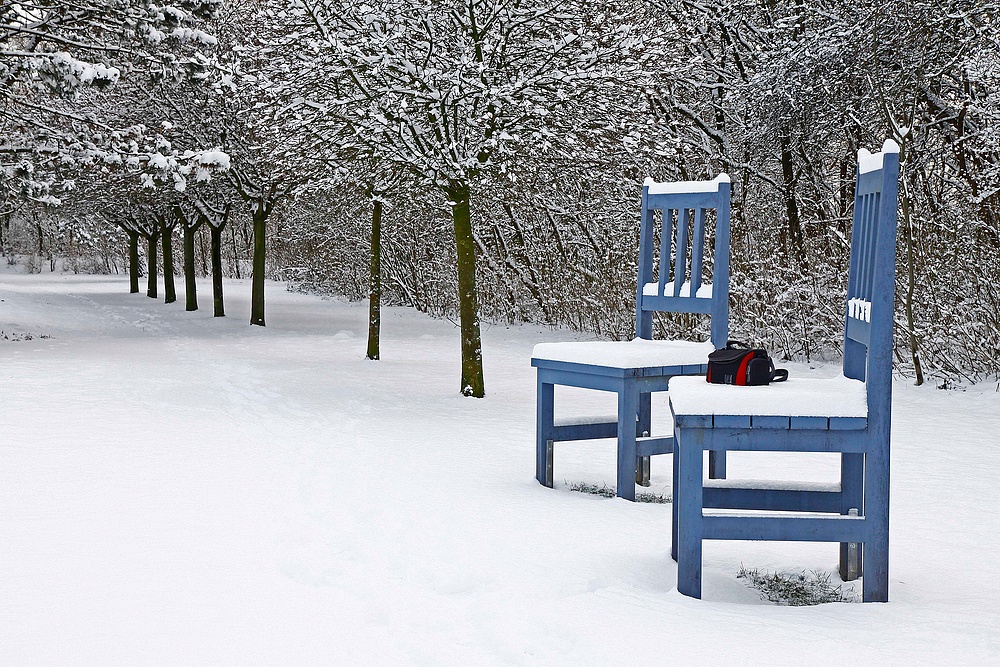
797, 397
637, 353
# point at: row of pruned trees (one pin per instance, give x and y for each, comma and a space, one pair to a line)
156, 228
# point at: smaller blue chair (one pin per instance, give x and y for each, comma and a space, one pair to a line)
633, 369
848, 414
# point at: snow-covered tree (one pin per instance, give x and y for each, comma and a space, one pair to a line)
454, 92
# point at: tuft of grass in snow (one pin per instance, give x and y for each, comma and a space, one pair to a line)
609, 492
604, 491
20, 337
796, 589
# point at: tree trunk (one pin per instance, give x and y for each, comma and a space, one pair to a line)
260, 214
190, 286
169, 289
472, 352
204, 255
375, 287
236, 256
911, 281
791, 206
133, 262
151, 266
220, 308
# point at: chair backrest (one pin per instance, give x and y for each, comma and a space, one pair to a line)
680, 287
871, 285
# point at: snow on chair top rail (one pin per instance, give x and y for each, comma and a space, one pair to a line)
680, 264
684, 187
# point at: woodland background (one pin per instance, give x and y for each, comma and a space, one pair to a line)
498, 150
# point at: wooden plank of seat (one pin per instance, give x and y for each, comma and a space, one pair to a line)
769, 422
810, 423
731, 421
848, 423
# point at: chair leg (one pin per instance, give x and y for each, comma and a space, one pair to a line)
644, 425
543, 433
628, 404
643, 429
688, 500
717, 464
852, 476
673, 504
875, 584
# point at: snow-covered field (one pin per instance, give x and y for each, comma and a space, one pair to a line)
180, 489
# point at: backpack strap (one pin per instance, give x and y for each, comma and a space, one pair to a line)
778, 374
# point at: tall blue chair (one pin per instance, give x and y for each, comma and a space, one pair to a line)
847, 414
633, 369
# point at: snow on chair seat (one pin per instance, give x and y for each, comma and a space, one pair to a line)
639, 353
838, 403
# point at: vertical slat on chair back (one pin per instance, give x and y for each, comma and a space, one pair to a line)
681, 261
868, 328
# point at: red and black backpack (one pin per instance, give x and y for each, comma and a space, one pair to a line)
739, 364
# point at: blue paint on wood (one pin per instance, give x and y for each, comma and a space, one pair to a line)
681, 250
654, 446
677, 304
628, 408
694, 421
698, 241
797, 500
810, 423
543, 428
863, 442
732, 421
812, 528
768, 421
848, 423
633, 385
584, 431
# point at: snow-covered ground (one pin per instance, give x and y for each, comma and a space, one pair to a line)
180, 489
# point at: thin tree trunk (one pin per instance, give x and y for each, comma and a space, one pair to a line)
236, 256
910, 286
220, 308
204, 255
791, 206
190, 285
133, 262
260, 214
472, 352
375, 287
151, 266
169, 289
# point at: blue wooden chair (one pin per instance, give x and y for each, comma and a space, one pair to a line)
847, 414
634, 369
